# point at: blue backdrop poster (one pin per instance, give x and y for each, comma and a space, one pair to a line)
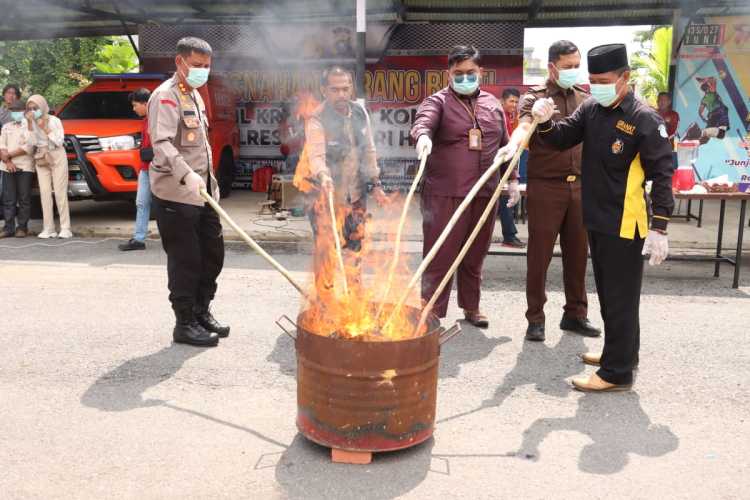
711, 96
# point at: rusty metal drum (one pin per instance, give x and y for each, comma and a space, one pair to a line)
368, 395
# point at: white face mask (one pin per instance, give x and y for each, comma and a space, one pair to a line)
567, 77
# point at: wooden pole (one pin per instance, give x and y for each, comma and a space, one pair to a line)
487, 211
337, 239
399, 231
252, 243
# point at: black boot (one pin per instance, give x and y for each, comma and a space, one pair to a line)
207, 320
535, 332
188, 331
581, 326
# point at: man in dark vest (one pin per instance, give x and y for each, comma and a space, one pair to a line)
341, 154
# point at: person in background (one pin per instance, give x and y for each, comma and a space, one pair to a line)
11, 93
51, 164
16, 149
467, 127
554, 201
510, 98
139, 101
670, 116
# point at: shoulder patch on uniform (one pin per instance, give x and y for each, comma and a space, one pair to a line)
170, 102
663, 131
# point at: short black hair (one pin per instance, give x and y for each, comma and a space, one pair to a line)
461, 53
666, 94
141, 95
13, 86
622, 70
335, 70
190, 44
561, 48
511, 92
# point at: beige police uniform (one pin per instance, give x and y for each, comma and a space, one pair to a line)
191, 232
178, 126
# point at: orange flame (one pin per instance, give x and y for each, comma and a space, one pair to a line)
331, 312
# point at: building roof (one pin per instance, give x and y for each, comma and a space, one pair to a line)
29, 19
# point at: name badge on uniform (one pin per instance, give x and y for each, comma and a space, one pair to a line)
475, 139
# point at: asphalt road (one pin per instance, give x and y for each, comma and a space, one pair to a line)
98, 403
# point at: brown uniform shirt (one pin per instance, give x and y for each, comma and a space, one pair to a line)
545, 161
178, 127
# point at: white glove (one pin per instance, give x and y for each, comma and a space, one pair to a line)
514, 193
656, 245
194, 183
543, 110
506, 153
424, 146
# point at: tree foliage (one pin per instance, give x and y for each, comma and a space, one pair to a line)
651, 66
58, 68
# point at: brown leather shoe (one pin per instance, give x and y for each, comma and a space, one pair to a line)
592, 358
476, 318
21, 233
595, 384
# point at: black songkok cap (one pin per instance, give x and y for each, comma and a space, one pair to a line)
606, 58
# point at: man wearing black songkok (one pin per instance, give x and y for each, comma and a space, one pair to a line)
625, 143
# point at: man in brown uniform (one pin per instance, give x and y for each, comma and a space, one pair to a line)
467, 128
190, 230
554, 201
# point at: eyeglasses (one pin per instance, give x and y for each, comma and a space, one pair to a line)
470, 78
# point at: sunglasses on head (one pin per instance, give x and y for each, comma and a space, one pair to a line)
470, 78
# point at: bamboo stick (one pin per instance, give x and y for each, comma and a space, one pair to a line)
399, 232
487, 211
337, 240
443, 236
252, 243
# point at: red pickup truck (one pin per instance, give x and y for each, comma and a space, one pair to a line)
102, 135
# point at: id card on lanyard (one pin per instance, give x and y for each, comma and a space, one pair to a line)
475, 134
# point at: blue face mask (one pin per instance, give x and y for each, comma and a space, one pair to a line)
567, 78
604, 94
465, 84
37, 113
17, 116
197, 77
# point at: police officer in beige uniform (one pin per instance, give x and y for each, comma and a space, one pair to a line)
190, 230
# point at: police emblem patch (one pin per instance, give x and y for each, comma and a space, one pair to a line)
617, 147
191, 136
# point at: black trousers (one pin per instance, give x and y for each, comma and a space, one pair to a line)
192, 238
17, 191
618, 271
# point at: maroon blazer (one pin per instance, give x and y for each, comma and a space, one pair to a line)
452, 169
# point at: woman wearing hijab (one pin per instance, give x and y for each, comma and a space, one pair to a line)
51, 166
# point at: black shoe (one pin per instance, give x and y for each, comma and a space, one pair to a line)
207, 321
188, 331
514, 243
581, 326
535, 332
132, 244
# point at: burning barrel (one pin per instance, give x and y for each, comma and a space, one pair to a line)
367, 396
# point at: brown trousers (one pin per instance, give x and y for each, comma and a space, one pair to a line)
436, 212
554, 208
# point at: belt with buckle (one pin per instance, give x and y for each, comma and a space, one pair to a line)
571, 178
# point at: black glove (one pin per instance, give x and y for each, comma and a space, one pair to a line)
147, 154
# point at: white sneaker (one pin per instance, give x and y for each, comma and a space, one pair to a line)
65, 233
47, 234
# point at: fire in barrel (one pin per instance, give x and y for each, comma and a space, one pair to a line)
364, 383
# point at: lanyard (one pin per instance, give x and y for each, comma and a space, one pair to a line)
471, 111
